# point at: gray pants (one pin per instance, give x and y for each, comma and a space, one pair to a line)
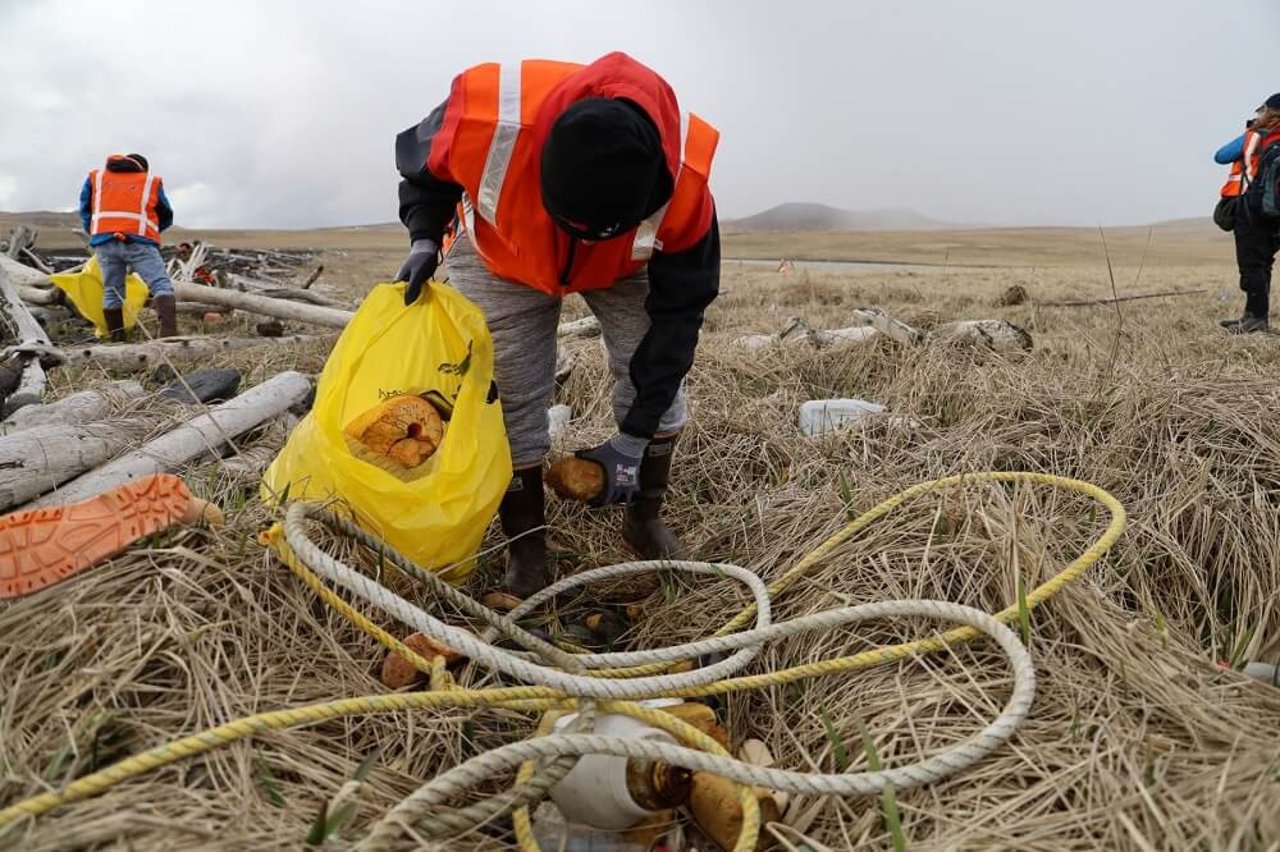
523, 323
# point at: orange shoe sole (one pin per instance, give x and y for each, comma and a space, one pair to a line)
41, 547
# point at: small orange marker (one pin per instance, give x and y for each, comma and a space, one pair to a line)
41, 547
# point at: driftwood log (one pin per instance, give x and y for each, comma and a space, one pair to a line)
250, 463
144, 356
992, 335
86, 406
26, 331
21, 239
35, 461
34, 260
21, 274
585, 327
256, 304
1088, 303
39, 295
196, 437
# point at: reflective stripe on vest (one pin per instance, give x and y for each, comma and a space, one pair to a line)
143, 219
97, 201
1245, 169
505, 134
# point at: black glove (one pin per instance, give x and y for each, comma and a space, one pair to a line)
418, 267
620, 457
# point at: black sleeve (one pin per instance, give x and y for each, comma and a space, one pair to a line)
427, 204
681, 286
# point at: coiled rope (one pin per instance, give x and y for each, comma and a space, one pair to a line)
612, 682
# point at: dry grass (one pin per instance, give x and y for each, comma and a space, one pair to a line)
1137, 739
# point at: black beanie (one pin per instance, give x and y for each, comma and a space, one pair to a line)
142, 161
603, 169
1273, 102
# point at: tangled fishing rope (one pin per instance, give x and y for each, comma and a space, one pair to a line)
591, 683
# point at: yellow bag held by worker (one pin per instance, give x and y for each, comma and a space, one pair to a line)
85, 289
425, 479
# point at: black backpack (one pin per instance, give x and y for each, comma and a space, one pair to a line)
1264, 192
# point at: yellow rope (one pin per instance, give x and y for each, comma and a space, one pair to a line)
540, 699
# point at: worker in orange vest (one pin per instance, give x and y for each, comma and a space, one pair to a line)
1257, 236
567, 178
124, 209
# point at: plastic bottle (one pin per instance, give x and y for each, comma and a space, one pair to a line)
822, 415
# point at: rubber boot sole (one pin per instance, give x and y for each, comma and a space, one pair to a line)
42, 547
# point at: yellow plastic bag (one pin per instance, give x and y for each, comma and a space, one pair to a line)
438, 348
85, 289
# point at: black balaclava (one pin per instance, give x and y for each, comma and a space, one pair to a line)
603, 169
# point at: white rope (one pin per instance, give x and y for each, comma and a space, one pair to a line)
746, 645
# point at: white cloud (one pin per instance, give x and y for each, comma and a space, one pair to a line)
283, 113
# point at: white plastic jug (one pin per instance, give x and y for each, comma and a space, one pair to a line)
822, 415
595, 791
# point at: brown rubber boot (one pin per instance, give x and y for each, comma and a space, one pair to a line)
523, 518
166, 308
114, 318
643, 529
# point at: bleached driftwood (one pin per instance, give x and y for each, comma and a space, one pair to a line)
1087, 303
33, 260
993, 335
27, 331
189, 441
185, 270
253, 303
585, 327
35, 461
21, 274
199, 309
307, 297
564, 364
83, 407
20, 239
140, 356
888, 326
252, 462
38, 295
798, 332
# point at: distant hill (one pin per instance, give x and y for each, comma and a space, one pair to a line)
796, 216
39, 219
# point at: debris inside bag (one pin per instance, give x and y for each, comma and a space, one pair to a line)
406, 429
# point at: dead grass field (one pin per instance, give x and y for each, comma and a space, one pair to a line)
1138, 740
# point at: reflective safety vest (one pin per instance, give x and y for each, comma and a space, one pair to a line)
125, 203
495, 125
1244, 170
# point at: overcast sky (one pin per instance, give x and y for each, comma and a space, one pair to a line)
283, 114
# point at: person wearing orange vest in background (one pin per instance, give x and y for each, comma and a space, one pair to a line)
565, 179
1257, 237
124, 209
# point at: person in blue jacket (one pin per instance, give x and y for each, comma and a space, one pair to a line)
1257, 236
124, 209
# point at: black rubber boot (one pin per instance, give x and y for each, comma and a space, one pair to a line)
166, 308
1249, 325
114, 318
643, 529
523, 517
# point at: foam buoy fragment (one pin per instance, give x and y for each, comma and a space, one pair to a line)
405, 429
576, 479
398, 672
